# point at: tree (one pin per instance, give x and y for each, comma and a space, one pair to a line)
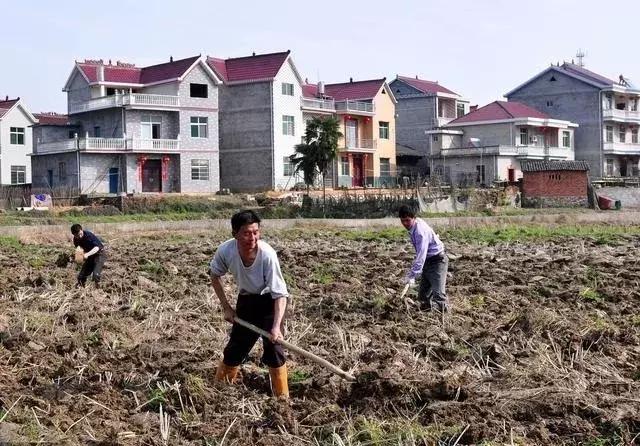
318, 151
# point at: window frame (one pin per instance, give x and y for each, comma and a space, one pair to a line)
344, 166
198, 85
17, 136
288, 89
387, 162
566, 139
288, 125
524, 133
384, 130
634, 135
202, 171
15, 169
622, 133
287, 167
460, 107
200, 125
608, 136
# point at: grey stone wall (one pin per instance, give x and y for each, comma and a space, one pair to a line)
94, 171
187, 185
246, 148
109, 120
571, 100
78, 90
41, 164
554, 202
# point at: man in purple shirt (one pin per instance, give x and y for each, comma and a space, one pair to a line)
431, 262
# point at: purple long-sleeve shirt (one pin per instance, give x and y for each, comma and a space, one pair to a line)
426, 243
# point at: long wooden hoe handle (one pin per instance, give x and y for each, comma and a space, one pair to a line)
317, 359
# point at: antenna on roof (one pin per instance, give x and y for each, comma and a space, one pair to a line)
170, 58
580, 55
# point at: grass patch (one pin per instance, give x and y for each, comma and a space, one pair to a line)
298, 376
322, 274
590, 294
152, 267
10, 242
389, 234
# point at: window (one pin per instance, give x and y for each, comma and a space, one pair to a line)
634, 135
384, 130
200, 170
434, 138
480, 174
622, 133
385, 167
553, 79
459, 110
287, 166
62, 172
150, 127
609, 168
16, 135
344, 165
72, 134
287, 89
566, 139
633, 104
288, 125
609, 135
524, 136
18, 174
549, 103
111, 91
199, 90
199, 126
96, 131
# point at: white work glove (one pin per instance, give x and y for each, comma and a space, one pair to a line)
409, 281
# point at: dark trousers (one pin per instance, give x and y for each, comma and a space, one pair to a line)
92, 265
433, 282
258, 310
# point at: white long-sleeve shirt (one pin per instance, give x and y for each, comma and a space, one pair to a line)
263, 273
426, 243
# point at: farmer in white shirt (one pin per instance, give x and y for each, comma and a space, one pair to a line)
262, 299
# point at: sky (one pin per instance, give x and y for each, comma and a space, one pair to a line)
480, 49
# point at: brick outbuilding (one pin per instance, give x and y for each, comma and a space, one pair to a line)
554, 183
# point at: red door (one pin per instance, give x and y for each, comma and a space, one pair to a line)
358, 171
512, 175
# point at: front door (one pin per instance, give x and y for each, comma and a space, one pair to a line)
114, 176
50, 178
152, 176
351, 137
358, 171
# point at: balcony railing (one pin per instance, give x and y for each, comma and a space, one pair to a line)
519, 151
109, 144
623, 115
621, 148
318, 104
122, 100
361, 145
355, 106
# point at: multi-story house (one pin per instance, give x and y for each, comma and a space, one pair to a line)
422, 106
15, 142
132, 129
260, 120
366, 112
606, 110
488, 143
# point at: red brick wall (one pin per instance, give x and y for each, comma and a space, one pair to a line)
559, 183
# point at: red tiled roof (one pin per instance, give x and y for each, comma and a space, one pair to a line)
5, 106
249, 68
135, 75
499, 110
426, 86
309, 90
354, 90
51, 119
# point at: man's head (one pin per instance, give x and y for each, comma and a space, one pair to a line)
407, 216
245, 227
76, 230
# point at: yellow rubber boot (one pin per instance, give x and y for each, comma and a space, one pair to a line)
279, 384
226, 373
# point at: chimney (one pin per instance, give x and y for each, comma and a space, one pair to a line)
254, 53
100, 69
306, 80
170, 58
350, 80
416, 76
320, 88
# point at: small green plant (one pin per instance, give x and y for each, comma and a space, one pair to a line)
195, 385
590, 294
298, 376
157, 396
477, 301
152, 267
93, 338
10, 242
322, 274
635, 320
378, 301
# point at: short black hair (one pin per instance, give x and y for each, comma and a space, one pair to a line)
75, 229
242, 218
406, 211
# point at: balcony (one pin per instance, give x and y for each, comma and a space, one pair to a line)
621, 148
444, 120
356, 107
526, 152
621, 115
318, 105
360, 146
108, 145
132, 100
